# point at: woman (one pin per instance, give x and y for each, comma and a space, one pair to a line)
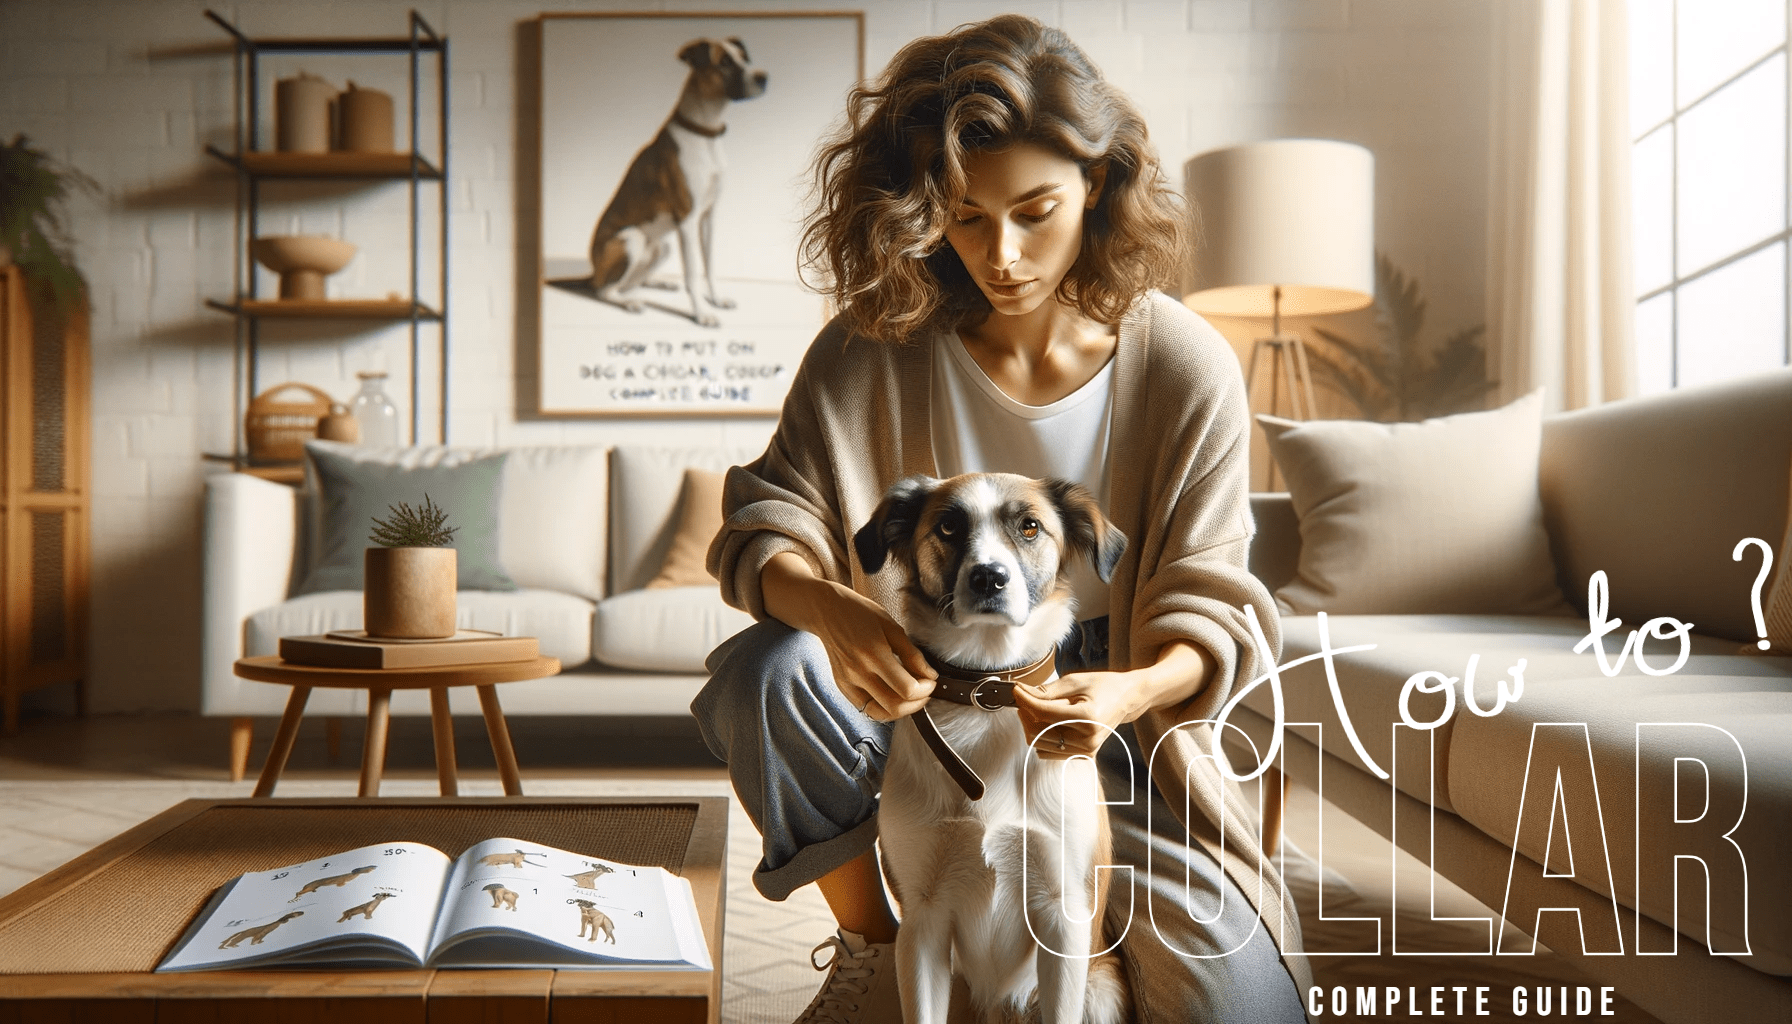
990, 221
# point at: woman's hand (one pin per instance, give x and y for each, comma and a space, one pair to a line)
875, 664
1110, 698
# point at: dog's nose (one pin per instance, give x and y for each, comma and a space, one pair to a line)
986, 580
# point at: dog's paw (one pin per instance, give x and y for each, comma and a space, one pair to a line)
721, 303
707, 319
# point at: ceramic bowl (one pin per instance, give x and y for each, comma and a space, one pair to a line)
284, 254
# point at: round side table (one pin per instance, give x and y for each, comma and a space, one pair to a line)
379, 684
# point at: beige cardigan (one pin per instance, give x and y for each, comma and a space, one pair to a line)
857, 420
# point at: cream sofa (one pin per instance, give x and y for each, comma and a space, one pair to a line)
581, 531
1655, 492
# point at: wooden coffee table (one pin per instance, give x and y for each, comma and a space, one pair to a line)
379, 684
80, 943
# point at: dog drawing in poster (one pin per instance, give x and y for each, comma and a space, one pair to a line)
671, 187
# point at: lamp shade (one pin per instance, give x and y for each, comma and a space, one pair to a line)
1294, 213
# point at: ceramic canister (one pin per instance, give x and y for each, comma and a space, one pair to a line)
365, 116
339, 425
302, 114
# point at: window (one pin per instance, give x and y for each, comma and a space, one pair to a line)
1709, 189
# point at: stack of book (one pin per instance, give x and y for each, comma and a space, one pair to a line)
355, 649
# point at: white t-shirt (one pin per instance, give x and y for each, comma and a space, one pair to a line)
979, 429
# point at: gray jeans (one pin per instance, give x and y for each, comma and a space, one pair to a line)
808, 766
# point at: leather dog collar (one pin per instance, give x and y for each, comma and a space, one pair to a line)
691, 126
989, 691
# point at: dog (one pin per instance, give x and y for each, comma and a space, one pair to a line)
501, 896
670, 188
366, 909
588, 879
986, 557
336, 880
510, 860
255, 935
594, 920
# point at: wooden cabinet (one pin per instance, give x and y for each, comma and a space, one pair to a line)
45, 508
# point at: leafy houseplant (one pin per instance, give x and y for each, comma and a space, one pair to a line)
1395, 378
33, 233
411, 574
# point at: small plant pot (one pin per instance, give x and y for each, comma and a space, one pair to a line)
409, 593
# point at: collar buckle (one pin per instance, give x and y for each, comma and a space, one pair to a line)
977, 692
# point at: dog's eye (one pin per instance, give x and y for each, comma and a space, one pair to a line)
946, 529
1029, 528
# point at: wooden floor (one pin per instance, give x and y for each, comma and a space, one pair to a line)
67, 784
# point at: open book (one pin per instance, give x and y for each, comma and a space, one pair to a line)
502, 903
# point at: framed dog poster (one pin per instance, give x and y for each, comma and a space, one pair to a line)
675, 156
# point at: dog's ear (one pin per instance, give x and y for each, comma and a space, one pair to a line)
700, 53
742, 47
893, 524
1086, 530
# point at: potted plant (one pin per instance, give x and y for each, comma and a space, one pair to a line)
411, 575
1397, 377
33, 233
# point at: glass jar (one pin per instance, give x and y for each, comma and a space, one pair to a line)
374, 411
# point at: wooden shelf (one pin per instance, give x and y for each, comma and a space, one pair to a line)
394, 166
326, 309
278, 472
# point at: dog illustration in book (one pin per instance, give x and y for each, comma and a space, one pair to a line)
366, 909
670, 188
511, 860
592, 920
335, 880
255, 935
502, 897
996, 879
588, 879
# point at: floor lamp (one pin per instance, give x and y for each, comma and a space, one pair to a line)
1287, 228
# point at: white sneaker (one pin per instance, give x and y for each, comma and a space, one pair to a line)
861, 984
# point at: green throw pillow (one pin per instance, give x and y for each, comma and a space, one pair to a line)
352, 493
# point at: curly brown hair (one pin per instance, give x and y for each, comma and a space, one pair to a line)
889, 178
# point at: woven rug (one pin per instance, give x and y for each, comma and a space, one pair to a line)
766, 979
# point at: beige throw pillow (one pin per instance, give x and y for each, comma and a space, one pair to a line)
699, 520
1441, 516
1776, 602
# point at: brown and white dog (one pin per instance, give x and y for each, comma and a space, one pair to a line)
671, 187
1005, 886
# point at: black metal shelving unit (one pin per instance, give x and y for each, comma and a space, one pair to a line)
254, 165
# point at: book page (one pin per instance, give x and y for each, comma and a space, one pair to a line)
588, 910
374, 904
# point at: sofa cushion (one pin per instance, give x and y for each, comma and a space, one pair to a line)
645, 483
354, 493
1657, 491
1371, 681
562, 622
1742, 707
669, 629
553, 509
1437, 517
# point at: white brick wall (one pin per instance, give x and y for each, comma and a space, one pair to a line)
129, 90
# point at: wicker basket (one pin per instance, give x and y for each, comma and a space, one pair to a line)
277, 430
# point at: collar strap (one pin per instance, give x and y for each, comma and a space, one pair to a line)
691, 126
990, 691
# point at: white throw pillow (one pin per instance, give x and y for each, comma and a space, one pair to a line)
1441, 516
